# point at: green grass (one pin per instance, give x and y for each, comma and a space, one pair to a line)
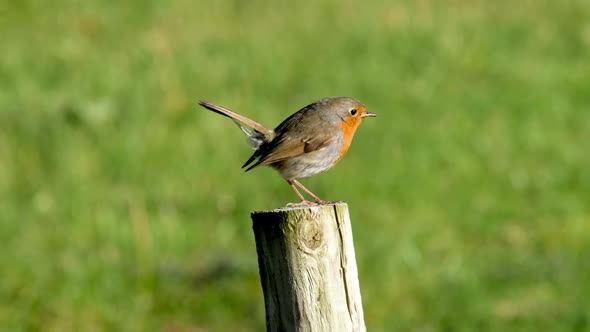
123, 207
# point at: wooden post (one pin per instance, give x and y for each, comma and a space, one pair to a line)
308, 269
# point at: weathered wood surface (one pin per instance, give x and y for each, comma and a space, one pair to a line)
308, 269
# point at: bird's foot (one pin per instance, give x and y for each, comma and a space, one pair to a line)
310, 203
302, 203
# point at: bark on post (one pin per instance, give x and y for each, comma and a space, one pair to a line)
308, 269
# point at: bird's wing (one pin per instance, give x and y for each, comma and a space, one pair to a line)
288, 147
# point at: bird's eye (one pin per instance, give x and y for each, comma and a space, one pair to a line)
353, 111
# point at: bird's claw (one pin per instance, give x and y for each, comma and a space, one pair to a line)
302, 203
309, 203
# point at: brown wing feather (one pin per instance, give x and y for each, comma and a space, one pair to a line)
303, 132
294, 147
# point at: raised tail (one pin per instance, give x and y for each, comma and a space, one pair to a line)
256, 133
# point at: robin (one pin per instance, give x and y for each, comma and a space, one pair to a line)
310, 141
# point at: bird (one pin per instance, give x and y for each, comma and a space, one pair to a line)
310, 141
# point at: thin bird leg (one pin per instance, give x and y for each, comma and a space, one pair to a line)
303, 200
317, 199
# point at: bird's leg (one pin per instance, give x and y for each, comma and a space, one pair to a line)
317, 199
303, 200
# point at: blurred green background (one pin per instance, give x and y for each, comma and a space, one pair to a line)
123, 206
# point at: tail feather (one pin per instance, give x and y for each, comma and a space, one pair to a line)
240, 120
255, 138
257, 134
250, 160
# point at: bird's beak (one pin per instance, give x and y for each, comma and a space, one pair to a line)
369, 115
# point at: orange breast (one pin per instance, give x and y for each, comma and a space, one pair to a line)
348, 128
